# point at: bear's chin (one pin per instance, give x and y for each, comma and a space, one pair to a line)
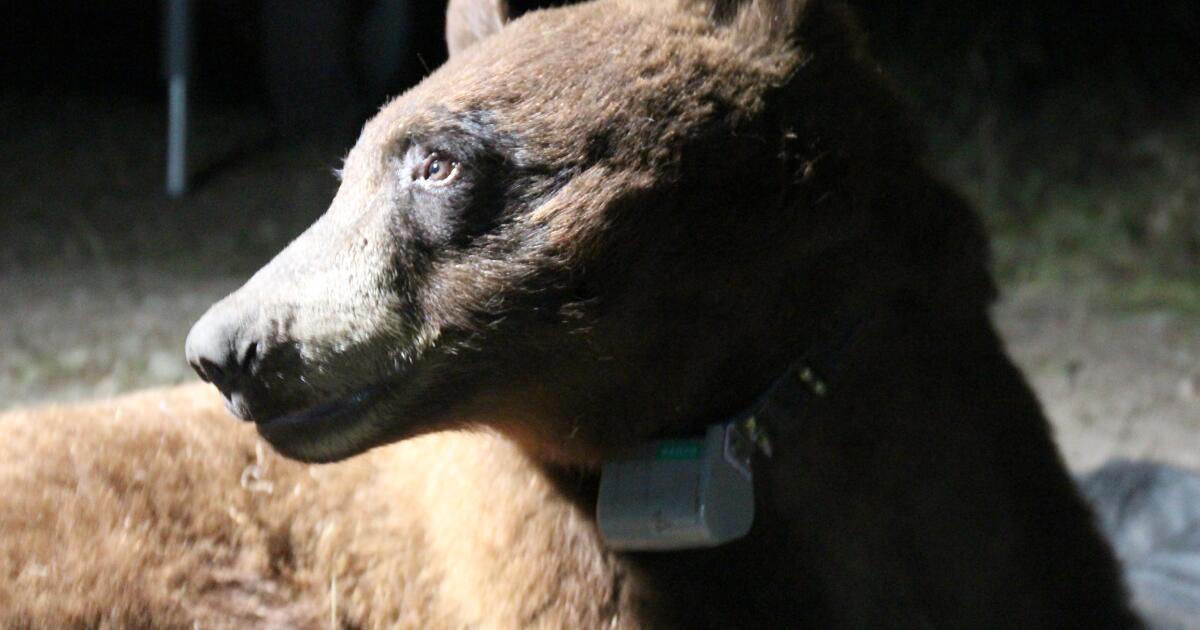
327, 431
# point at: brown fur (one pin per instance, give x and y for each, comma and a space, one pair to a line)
660, 206
156, 510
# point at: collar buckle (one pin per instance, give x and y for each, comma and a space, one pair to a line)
754, 433
813, 381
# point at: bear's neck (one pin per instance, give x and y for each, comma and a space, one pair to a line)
922, 489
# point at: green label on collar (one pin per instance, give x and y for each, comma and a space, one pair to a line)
681, 449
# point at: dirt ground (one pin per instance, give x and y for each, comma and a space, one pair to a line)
1115, 384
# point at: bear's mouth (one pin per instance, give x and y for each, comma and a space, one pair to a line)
326, 431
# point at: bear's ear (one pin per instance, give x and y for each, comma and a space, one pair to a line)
468, 21
807, 23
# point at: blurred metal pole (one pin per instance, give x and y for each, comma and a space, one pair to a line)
177, 59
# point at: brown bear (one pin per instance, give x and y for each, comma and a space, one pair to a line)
595, 228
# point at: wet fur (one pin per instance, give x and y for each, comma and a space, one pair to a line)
690, 195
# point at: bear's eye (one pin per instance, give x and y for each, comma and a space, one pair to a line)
437, 169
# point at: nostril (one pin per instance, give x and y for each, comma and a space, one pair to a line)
209, 372
223, 350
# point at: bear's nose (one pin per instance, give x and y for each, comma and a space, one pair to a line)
222, 350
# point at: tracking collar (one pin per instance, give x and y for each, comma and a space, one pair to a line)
696, 492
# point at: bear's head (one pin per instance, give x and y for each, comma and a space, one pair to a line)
593, 225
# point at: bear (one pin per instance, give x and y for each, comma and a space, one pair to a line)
595, 228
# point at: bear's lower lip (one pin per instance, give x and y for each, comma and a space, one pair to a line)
321, 431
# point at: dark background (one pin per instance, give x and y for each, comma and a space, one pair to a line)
1071, 125
1024, 46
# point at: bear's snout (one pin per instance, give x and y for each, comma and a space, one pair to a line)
223, 350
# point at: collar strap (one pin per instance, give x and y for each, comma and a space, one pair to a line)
810, 377
686, 494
